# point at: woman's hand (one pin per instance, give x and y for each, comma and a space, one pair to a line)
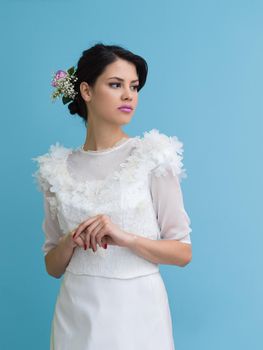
100, 229
72, 243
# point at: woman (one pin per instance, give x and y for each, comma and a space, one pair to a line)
114, 211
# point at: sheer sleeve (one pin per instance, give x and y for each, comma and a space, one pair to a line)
168, 203
50, 225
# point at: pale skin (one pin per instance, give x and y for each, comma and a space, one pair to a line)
104, 130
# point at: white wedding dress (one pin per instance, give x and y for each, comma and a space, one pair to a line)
112, 299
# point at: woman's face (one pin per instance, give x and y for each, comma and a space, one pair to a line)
109, 93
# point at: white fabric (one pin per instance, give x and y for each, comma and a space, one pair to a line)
95, 165
113, 299
98, 313
121, 182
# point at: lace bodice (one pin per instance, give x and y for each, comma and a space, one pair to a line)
136, 182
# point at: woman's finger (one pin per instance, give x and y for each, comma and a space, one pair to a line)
101, 238
98, 234
86, 239
84, 225
93, 229
80, 240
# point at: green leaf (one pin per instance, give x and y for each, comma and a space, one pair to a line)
66, 99
71, 70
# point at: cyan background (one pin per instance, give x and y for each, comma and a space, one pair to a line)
204, 86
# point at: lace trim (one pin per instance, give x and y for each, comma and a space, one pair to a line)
154, 152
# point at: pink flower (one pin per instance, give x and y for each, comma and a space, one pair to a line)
59, 75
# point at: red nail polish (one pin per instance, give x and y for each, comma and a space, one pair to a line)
105, 246
74, 235
85, 246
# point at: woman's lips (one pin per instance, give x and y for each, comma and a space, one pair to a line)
125, 109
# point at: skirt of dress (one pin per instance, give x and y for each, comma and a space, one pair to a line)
99, 313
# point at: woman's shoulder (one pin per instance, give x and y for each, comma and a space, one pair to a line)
56, 151
163, 152
49, 164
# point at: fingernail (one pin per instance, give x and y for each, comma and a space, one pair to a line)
74, 235
85, 246
105, 246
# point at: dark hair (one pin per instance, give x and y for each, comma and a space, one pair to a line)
91, 65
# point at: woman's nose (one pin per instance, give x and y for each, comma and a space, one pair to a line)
127, 93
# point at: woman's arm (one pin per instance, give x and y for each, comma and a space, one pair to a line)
174, 247
57, 259
58, 247
161, 251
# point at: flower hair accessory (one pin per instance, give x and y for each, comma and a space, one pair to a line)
63, 83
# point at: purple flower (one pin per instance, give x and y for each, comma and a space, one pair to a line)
60, 74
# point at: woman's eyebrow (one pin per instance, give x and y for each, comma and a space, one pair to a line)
122, 79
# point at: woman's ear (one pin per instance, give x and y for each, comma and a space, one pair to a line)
86, 91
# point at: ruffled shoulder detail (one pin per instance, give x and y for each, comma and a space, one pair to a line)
50, 165
164, 152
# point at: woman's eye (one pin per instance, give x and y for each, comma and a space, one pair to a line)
135, 86
114, 84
